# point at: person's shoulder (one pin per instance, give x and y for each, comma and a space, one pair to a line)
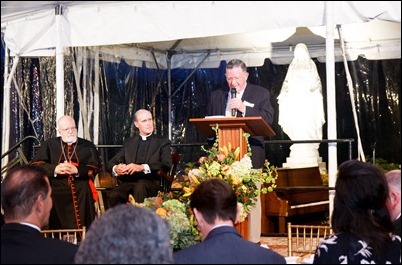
130, 139
190, 255
85, 141
161, 138
272, 256
61, 244
256, 87
262, 253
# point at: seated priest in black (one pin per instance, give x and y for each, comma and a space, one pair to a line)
137, 164
71, 164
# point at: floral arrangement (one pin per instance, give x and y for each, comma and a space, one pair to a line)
224, 163
183, 232
220, 163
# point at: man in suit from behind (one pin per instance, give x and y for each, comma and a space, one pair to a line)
26, 200
137, 164
394, 198
214, 204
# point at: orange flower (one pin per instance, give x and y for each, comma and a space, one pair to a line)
161, 212
220, 157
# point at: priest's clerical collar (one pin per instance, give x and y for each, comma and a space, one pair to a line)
144, 138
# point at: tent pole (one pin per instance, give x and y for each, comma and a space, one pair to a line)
6, 102
331, 99
169, 83
96, 97
59, 63
360, 151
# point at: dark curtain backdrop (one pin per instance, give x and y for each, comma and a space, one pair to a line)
124, 89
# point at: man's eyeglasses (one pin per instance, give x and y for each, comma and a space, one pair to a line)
231, 79
69, 129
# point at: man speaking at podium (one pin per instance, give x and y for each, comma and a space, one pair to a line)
244, 100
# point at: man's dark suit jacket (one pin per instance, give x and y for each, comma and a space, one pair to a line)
224, 245
397, 226
157, 157
257, 96
22, 244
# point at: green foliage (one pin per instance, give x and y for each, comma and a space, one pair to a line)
383, 164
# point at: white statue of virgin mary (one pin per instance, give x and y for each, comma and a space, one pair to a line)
301, 110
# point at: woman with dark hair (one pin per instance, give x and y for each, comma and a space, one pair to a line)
361, 225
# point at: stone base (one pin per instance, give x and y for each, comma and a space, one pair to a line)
292, 162
304, 155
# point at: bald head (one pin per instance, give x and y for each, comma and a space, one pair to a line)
394, 197
67, 129
20, 191
140, 113
144, 122
65, 119
394, 179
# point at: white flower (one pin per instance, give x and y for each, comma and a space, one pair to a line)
241, 168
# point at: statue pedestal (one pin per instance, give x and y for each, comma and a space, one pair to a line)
292, 162
303, 155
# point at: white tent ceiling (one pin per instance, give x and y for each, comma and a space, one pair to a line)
251, 31
184, 34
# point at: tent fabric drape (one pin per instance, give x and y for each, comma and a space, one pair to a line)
124, 89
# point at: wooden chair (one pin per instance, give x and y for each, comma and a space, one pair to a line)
304, 239
167, 178
71, 235
104, 182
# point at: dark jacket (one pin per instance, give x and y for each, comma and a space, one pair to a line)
22, 244
224, 245
259, 105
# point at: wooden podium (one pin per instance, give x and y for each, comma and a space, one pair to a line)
231, 131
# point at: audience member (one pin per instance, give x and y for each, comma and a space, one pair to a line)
394, 198
137, 164
214, 204
26, 200
126, 234
71, 164
362, 230
249, 101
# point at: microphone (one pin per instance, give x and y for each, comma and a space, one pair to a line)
233, 95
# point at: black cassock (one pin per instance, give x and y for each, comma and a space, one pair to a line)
73, 200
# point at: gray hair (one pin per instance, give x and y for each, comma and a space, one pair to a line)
394, 179
236, 63
126, 234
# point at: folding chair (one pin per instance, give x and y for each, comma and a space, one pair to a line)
71, 235
304, 239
